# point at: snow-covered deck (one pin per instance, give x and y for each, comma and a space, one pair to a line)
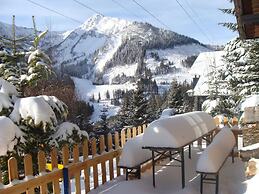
232, 180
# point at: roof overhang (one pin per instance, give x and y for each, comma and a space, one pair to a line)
247, 13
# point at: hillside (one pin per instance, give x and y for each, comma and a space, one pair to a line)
110, 50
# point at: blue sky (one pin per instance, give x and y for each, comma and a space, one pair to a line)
204, 12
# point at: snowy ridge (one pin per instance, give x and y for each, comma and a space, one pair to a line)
102, 43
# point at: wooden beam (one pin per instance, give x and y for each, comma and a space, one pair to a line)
250, 19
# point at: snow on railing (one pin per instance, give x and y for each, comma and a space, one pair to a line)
83, 167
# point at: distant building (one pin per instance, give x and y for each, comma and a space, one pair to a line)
206, 64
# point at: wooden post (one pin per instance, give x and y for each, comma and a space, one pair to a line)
111, 159
117, 146
95, 169
54, 163
12, 169
103, 164
42, 169
77, 174
28, 171
87, 169
123, 141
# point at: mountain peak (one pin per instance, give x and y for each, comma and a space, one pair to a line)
105, 25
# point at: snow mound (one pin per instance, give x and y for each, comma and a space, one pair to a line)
167, 113
208, 105
250, 101
5, 102
35, 110
7, 88
35, 54
66, 130
133, 154
179, 130
215, 154
56, 104
9, 133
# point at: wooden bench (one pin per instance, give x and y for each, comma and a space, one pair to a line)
214, 156
133, 156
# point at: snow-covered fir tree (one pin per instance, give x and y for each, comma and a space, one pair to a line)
20, 67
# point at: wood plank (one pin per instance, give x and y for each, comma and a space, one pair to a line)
77, 174
225, 121
103, 165
95, 169
28, 171
117, 146
12, 169
42, 169
86, 169
123, 140
144, 126
134, 132
128, 134
54, 163
65, 155
1, 180
139, 130
65, 160
216, 120
235, 121
110, 148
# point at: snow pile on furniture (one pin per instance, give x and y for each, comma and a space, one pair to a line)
179, 130
132, 154
167, 113
9, 135
215, 154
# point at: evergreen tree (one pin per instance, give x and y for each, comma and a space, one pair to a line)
99, 97
125, 113
107, 94
174, 98
139, 108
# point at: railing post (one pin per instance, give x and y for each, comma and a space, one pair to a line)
65, 181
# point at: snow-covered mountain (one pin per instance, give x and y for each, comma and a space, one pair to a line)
110, 50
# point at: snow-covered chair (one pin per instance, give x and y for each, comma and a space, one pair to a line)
133, 156
214, 156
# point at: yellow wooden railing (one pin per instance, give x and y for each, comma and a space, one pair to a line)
75, 162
